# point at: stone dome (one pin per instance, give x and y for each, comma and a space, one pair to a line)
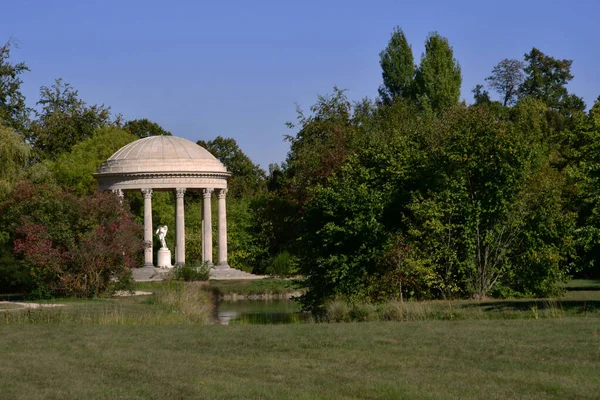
161, 162
156, 154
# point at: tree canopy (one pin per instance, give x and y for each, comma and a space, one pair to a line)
13, 111
143, 128
397, 68
64, 120
438, 78
506, 78
247, 178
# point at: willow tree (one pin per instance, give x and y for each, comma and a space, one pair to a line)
14, 155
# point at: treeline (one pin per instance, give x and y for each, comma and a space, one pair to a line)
414, 194
419, 195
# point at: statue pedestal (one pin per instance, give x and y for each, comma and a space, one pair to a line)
164, 258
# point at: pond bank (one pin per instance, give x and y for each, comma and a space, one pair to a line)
260, 296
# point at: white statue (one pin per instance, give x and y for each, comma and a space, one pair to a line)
162, 232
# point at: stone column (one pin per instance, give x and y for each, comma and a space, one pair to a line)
179, 228
207, 228
147, 193
222, 260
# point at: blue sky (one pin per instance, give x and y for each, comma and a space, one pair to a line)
237, 68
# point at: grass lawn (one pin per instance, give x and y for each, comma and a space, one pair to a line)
254, 287
159, 347
486, 359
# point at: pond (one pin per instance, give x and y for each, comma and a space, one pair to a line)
260, 312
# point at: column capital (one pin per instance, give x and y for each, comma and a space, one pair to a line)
118, 192
179, 192
147, 193
222, 193
207, 193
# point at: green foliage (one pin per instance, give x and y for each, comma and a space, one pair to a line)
506, 78
14, 155
546, 78
64, 121
438, 78
398, 68
466, 203
13, 111
322, 143
70, 245
75, 169
243, 246
247, 178
142, 128
188, 273
283, 264
481, 97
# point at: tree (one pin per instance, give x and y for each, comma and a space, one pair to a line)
65, 120
14, 155
247, 178
322, 144
143, 128
546, 79
398, 68
480, 96
506, 78
438, 78
13, 111
75, 169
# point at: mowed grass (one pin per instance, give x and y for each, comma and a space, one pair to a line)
486, 359
268, 286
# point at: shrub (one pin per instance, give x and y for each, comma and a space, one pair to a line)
337, 311
188, 273
283, 264
70, 245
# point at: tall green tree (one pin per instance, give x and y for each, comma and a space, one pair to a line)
322, 143
13, 111
397, 68
247, 178
64, 120
75, 169
546, 78
143, 128
506, 78
438, 78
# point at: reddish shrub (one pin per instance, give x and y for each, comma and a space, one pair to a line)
73, 246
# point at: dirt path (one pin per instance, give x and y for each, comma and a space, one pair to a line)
12, 305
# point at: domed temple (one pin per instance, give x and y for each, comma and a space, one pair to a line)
170, 163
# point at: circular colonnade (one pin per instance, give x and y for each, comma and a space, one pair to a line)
170, 163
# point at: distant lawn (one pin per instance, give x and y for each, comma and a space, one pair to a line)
499, 359
582, 284
254, 287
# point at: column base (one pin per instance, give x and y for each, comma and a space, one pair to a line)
222, 265
148, 265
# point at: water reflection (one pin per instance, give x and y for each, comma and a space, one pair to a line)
260, 312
